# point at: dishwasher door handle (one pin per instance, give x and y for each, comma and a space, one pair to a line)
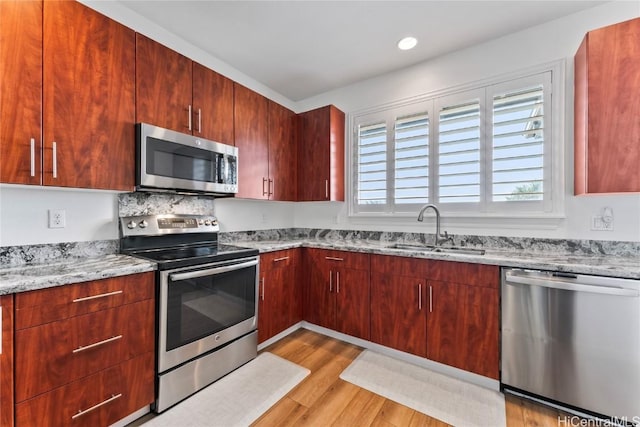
568, 286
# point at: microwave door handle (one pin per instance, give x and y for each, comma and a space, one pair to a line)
211, 271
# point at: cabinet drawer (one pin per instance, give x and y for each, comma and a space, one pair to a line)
57, 353
338, 259
464, 273
279, 259
48, 305
400, 266
98, 400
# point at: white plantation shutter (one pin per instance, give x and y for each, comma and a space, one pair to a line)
518, 145
372, 164
412, 159
459, 153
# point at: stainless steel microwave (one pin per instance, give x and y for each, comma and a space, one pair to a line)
171, 161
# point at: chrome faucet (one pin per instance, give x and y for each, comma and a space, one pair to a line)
440, 238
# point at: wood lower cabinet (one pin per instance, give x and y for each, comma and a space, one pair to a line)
337, 294
280, 294
6, 361
445, 311
321, 155
607, 107
82, 345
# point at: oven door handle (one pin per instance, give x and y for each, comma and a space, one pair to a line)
176, 277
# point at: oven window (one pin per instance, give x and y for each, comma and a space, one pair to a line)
203, 306
180, 161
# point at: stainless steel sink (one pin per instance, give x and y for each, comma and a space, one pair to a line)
438, 249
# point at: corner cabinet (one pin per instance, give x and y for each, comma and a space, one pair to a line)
280, 294
68, 73
6, 361
321, 155
607, 107
337, 292
176, 93
85, 353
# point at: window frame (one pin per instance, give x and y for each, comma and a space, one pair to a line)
552, 205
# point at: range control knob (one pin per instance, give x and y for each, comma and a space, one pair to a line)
143, 224
131, 225
200, 222
207, 222
214, 222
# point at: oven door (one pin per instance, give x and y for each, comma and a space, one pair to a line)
204, 307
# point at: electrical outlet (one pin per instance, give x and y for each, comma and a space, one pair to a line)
264, 218
599, 223
57, 218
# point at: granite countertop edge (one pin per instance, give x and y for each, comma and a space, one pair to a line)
605, 265
68, 271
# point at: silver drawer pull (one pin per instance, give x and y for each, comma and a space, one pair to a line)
96, 344
109, 400
55, 159
331, 258
108, 294
284, 258
33, 157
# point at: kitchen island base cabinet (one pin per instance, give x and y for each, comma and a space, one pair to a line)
337, 294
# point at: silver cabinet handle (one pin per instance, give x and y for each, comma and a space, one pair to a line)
190, 118
337, 281
211, 271
326, 188
430, 299
109, 400
284, 258
420, 296
272, 187
55, 160
96, 344
199, 120
108, 294
330, 281
331, 258
513, 277
262, 295
33, 157
264, 192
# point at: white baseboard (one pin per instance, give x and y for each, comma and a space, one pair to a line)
279, 336
131, 418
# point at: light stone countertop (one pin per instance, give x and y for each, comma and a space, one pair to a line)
599, 265
72, 270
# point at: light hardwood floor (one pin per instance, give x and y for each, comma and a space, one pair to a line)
323, 399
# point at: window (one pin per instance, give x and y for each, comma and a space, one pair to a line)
484, 150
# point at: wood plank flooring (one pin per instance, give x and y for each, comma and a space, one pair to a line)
323, 399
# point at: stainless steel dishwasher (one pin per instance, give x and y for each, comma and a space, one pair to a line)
572, 339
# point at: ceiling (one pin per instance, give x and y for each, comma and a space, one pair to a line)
303, 48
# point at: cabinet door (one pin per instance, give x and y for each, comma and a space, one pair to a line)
353, 303
163, 86
282, 153
6, 361
319, 297
250, 120
89, 99
463, 327
20, 91
398, 313
212, 105
321, 155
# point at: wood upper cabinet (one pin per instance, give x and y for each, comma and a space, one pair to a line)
20, 92
337, 295
399, 303
607, 107
212, 105
282, 153
89, 99
280, 296
163, 86
251, 123
6, 361
321, 155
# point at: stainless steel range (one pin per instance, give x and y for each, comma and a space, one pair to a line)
207, 300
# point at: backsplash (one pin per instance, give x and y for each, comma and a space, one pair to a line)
142, 203
14, 256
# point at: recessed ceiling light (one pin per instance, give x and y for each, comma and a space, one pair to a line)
407, 43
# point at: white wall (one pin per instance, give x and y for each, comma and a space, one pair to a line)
556, 40
92, 214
